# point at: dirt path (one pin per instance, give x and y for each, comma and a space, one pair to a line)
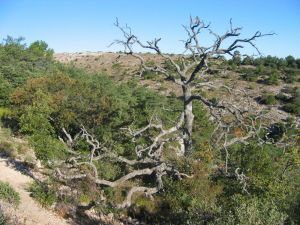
28, 211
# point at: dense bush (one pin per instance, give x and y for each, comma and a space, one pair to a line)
273, 78
19, 63
251, 210
269, 183
8, 194
249, 74
291, 100
248, 60
46, 197
268, 99
291, 75
273, 62
47, 104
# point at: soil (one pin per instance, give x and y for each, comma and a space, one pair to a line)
29, 212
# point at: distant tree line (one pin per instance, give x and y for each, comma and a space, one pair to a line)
269, 61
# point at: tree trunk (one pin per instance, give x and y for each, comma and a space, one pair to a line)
188, 119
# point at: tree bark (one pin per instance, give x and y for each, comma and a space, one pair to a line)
188, 119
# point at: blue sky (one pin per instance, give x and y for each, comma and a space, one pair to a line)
87, 25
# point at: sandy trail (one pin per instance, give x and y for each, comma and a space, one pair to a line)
28, 211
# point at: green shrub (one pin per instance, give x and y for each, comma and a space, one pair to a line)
149, 75
249, 74
292, 108
273, 78
19, 63
260, 69
292, 102
268, 99
84, 198
251, 210
42, 195
8, 148
291, 75
248, 60
282, 97
47, 147
233, 67
272, 188
15, 149
108, 170
35, 119
189, 201
8, 194
4, 112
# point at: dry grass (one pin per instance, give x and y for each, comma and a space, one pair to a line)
15, 147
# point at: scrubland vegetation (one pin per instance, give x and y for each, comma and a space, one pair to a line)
7, 195
60, 109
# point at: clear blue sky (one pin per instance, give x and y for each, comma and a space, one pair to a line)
87, 25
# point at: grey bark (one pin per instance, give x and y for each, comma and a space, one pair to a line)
151, 163
194, 64
188, 118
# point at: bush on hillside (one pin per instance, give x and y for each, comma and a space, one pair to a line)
268, 99
8, 194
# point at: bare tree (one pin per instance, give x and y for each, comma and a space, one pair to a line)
150, 164
191, 68
191, 75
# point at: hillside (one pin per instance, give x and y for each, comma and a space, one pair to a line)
106, 144
123, 67
145, 113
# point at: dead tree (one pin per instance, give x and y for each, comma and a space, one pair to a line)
191, 69
192, 77
149, 161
